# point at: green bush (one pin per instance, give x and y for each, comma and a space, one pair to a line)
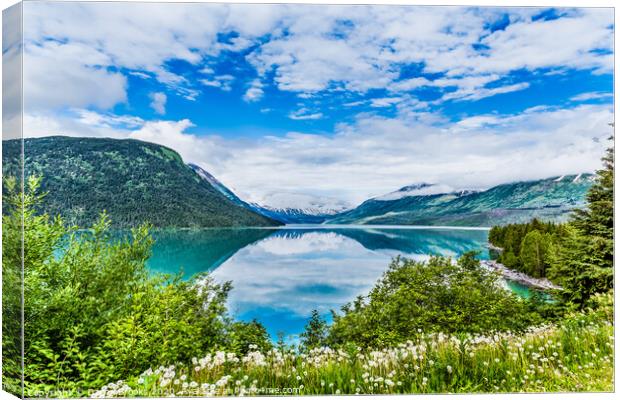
94, 314
433, 296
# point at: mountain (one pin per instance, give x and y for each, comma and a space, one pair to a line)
424, 204
133, 181
418, 189
297, 208
219, 186
312, 210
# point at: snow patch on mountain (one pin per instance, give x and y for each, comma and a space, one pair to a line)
418, 189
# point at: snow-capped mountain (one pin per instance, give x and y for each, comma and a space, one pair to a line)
550, 199
299, 208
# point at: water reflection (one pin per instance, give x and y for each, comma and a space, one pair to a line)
279, 276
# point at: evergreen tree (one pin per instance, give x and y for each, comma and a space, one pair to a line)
534, 253
584, 260
315, 332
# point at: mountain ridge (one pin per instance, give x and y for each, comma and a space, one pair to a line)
548, 199
132, 180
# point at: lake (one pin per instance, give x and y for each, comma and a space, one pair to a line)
280, 275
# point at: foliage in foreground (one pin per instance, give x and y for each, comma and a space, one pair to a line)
573, 355
433, 296
92, 311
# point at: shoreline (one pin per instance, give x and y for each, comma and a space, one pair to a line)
512, 275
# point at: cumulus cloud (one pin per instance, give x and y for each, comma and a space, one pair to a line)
255, 92
307, 48
223, 82
70, 75
158, 102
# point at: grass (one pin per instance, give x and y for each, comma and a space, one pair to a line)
575, 354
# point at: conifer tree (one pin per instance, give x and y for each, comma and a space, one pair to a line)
584, 260
315, 333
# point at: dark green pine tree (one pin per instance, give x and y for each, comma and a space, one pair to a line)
315, 333
585, 259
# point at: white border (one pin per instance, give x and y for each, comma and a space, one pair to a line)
483, 3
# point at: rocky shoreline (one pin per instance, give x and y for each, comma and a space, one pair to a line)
538, 283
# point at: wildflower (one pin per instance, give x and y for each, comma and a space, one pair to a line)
497, 360
298, 377
424, 380
449, 368
183, 377
140, 381
337, 391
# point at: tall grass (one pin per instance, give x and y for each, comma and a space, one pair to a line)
573, 355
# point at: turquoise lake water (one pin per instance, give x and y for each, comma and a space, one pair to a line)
280, 275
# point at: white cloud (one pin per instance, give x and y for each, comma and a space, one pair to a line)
477, 93
304, 113
70, 75
308, 48
385, 102
255, 92
158, 102
224, 82
591, 96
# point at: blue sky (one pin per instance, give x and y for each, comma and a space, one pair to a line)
325, 104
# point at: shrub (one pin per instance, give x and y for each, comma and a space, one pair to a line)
433, 296
93, 313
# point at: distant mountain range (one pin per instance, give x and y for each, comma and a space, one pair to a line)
427, 204
136, 181
310, 209
133, 181
296, 208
